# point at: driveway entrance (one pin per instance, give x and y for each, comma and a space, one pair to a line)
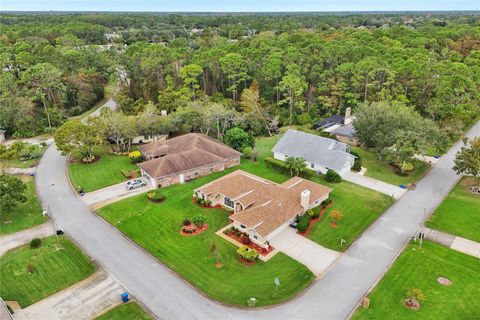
315, 257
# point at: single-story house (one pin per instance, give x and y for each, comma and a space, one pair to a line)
339, 126
184, 158
320, 154
261, 207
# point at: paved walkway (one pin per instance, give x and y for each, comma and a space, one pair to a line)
20, 238
460, 244
82, 301
22, 171
332, 297
102, 197
377, 185
110, 104
315, 257
34, 140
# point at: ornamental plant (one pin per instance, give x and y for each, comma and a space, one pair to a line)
135, 156
303, 223
247, 253
198, 220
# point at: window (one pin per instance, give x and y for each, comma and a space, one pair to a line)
242, 226
229, 203
312, 165
255, 236
196, 173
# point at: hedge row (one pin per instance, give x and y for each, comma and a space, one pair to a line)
280, 166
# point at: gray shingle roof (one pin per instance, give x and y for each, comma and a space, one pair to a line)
347, 130
323, 151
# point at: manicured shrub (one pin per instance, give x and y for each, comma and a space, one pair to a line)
135, 156
303, 223
208, 203
156, 196
245, 240
35, 243
326, 203
247, 151
416, 294
247, 254
357, 164
316, 214
186, 222
198, 220
310, 214
238, 139
332, 176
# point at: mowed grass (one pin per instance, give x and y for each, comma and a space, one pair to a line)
382, 171
420, 268
103, 173
130, 311
156, 228
459, 213
56, 266
23, 215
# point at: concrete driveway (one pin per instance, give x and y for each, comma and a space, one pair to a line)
389, 189
17, 239
84, 300
315, 257
102, 197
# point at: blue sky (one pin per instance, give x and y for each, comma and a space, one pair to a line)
238, 5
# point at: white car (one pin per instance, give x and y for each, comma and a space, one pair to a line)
134, 184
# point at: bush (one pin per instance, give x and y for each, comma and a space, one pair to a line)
198, 220
357, 164
280, 166
238, 139
35, 243
325, 203
316, 214
310, 214
247, 151
125, 173
135, 156
188, 229
245, 240
156, 196
416, 294
247, 254
186, 222
332, 176
303, 223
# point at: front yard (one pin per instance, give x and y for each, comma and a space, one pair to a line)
382, 171
29, 275
130, 311
420, 268
459, 213
102, 173
156, 227
23, 215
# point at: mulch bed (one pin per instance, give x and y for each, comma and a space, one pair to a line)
202, 229
411, 304
207, 207
248, 263
252, 245
312, 221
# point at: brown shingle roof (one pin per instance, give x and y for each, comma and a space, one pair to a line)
183, 153
271, 205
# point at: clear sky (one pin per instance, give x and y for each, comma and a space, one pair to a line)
238, 5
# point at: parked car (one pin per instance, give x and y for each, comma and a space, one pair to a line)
135, 183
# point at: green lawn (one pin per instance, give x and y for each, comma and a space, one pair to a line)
420, 268
24, 215
381, 170
156, 228
459, 213
130, 311
103, 173
55, 267
37, 150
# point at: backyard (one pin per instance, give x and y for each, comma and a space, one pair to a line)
459, 213
156, 228
23, 215
29, 275
102, 173
419, 268
130, 311
383, 171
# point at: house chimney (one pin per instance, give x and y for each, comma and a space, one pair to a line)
348, 116
305, 199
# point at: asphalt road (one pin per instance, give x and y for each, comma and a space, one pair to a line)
168, 297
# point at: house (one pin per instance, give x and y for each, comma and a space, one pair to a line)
184, 158
320, 154
260, 207
339, 126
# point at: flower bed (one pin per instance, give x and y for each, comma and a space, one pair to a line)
155, 196
243, 239
192, 230
312, 221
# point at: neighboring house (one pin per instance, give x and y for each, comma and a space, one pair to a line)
184, 158
2, 135
339, 126
320, 153
263, 208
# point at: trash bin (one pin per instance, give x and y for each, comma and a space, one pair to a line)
124, 296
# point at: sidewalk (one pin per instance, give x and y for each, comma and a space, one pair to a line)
459, 244
117, 192
17, 239
377, 185
22, 171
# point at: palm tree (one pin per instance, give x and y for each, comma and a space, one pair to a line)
290, 163
299, 165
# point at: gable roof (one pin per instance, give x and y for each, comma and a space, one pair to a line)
347, 130
270, 205
319, 150
328, 122
183, 153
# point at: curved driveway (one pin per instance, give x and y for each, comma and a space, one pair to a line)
168, 297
